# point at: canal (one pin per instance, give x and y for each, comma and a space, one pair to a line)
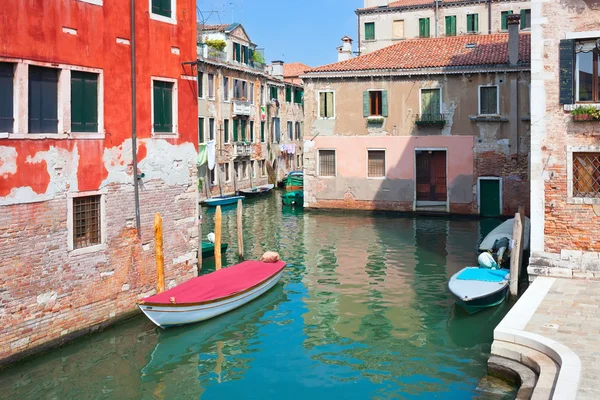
362, 312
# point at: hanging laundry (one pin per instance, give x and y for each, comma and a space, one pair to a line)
202, 154
291, 148
211, 154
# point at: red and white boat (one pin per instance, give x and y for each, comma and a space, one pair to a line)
213, 294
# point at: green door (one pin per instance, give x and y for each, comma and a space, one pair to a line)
489, 197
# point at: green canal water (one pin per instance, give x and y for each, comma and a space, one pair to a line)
362, 312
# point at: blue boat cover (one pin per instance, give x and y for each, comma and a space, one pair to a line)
483, 274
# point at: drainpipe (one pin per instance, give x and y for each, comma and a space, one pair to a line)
358, 28
133, 125
436, 18
489, 7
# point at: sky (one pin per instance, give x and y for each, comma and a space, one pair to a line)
307, 31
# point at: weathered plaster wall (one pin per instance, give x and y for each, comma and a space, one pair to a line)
351, 184
384, 21
565, 234
48, 293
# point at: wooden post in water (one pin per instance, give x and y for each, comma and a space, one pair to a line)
516, 253
160, 258
199, 239
218, 238
240, 234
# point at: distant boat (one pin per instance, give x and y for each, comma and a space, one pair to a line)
213, 294
222, 200
294, 180
477, 288
498, 241
257, 191
208, 249
293, 198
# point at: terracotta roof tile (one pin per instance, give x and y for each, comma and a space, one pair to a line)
436, 53
220, 28
292, 70
410, 3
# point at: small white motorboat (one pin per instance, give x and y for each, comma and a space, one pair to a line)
213, 294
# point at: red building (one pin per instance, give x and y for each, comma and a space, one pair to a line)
71, 255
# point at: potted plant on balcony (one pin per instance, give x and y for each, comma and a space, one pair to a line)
215, 47
585, 113
258, 58
375, 120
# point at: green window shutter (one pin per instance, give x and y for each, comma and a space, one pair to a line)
168, 107
567, 63
476, 23
449, 26
84, 102
288, 94
43, 100
421, 27
384, 103
6, 97
366, 101
77, 106
524, 19
200, 130
369, 30
226, 131
505, 15
252, 131
243, 130
262, 131
235, 130
427, 30
158, 106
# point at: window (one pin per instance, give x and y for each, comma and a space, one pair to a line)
430, 103
225, 168
84, 102
211, 86
274, 93
225, 88
201, 138
297, 130
298, 159
298, 95
586, 175
288, 94
587, 72
263, 167
163, 106
488, 100
253, 167
370, 31
326, 104
251, 97
244, 170
236, 130
375, 103
504, 22
6, 97
237, 54
451, 25
244, 89
398, 29
226, 131
327, 163
262, 94
87, 221
213, 176
201, 84
525, 19
424, 27
251, 131
211, 129
376, 163
472, 23
262, 131
290, 128
277, 129
243, 129
43, 100
162, 7
244, 54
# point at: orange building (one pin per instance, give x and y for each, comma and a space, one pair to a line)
77, 203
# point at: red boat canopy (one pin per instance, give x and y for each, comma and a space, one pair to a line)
217, 285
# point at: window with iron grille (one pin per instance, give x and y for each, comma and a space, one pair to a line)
488, 100
86, 221
586, 175
376, 163
326, 162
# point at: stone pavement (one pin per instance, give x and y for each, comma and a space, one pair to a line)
570, 314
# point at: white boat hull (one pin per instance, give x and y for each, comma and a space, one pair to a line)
166, 316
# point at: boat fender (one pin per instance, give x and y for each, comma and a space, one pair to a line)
211, 237
486, 260
172, 300
270, 257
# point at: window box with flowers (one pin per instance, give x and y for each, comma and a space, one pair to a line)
585, 113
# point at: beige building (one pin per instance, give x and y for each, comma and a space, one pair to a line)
254, 116
424, 125
565, 150
382, 23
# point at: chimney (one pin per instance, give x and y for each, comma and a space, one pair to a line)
513, 21
345, 51
277, 69
376, 3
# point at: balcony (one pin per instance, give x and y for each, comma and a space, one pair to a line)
435, 120
241, 107
242, 149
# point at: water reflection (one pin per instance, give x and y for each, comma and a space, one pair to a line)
362, 311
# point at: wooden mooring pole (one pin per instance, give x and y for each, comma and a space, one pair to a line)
160, 258
218, 238
516, 255
240, 234
199, 239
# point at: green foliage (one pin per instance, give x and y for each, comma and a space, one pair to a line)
258, 57
200, 184
586, 112
216, 44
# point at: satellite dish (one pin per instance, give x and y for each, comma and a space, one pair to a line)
598, 44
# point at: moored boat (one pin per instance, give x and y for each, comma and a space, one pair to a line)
497, 242
293, 198
477, 288
213, 294
257, 191
294, 180
208, 249
222, 200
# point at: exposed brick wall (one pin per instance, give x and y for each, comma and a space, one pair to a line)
47, 293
